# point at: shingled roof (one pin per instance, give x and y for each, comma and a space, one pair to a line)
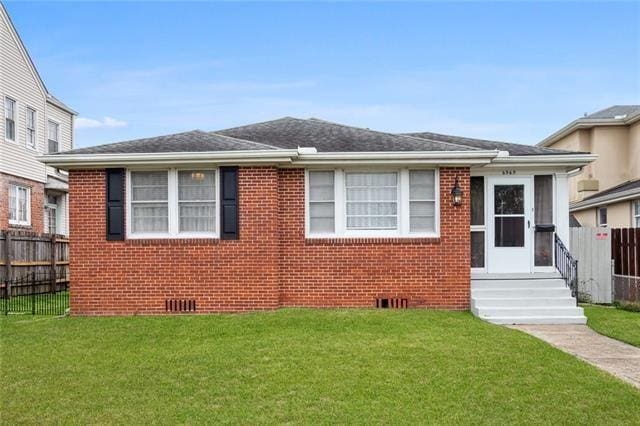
292, 133
615, 111
325, 136
193, 141
512, 148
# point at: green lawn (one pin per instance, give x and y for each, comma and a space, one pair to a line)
617, 323
297, 366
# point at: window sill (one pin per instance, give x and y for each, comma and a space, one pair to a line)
22, 226
345, 241
172, 241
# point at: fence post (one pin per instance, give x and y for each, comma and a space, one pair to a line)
33, 293
7, 262
53, 264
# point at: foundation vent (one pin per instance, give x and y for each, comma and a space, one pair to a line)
392, 303
180, 305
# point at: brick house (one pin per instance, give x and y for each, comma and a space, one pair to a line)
33, 197
295, 212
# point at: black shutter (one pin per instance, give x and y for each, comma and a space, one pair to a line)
229, 214
115, 204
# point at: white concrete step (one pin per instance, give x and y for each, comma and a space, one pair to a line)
515, 276
524, 283
516, 312
522, 301
524, 292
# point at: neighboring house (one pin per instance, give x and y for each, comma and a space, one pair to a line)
296, 212
32, 196
607, 191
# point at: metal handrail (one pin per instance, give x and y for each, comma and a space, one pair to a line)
566, 265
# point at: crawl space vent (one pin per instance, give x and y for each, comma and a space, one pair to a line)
392, 303
180, 305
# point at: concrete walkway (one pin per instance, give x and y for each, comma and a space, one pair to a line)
618, 358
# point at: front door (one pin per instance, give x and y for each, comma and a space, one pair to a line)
510, 207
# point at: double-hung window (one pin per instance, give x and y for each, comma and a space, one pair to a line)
19, 205
53, 136
10, 119
636, 213
382, 203
31, 128
172, 203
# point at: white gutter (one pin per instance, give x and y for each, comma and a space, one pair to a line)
75, 161
572, 160
404, 157
606, 199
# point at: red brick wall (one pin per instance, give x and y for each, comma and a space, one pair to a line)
37, 203
136, 276
271, 265
353, 272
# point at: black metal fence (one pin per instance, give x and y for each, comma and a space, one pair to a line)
36, 293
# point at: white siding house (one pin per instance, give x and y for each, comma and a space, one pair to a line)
33, 123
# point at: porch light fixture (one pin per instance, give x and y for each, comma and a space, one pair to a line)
456, 193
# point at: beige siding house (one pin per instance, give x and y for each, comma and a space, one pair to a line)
607, 191
32, 195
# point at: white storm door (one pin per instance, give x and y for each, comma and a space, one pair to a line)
510, 221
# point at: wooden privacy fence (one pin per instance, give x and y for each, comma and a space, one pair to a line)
625, 254
592, 248
24, 254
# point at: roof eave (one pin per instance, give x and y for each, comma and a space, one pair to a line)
586, 123
60, 105
398, 157
605, 199
78, 161
566, 160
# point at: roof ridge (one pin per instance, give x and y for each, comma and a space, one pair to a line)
244, 140
385, 133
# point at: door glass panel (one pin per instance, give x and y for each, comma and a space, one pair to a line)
543, 204
477, 200
509, 231
477, 249
509, 199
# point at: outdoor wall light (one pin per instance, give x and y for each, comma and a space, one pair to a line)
456, 193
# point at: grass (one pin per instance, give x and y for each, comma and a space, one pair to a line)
616, 323
297, 366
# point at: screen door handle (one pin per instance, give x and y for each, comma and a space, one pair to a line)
528, 224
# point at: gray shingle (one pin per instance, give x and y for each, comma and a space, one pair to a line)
193, 141
615, 111
626, 186
291, 133
512, 148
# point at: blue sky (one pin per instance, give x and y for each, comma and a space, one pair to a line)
505, 71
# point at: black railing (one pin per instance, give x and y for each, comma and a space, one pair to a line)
35, 294
566, 265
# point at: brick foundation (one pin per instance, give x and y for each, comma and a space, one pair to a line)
271, 265
37, 203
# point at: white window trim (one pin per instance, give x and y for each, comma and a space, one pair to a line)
15, 119
28, 203
57, 123
173, 212
635, 213
403, 206
54, 207
33, 147
602, 225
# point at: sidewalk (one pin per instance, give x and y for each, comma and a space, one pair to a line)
617, 358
